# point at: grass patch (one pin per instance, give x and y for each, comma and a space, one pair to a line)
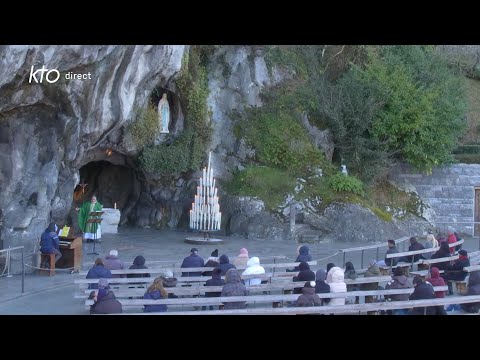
472, 135
269, 184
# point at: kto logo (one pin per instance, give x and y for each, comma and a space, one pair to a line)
50, 75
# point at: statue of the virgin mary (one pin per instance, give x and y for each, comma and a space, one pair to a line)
164, 114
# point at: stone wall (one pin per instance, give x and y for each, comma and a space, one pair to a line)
449, 190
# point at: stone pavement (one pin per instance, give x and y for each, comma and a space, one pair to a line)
54, 295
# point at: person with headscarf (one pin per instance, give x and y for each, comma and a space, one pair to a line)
155, 291
233, 287
241, 260
308, 297
321, 287
49, 243
253, 268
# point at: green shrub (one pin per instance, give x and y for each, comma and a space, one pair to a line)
145, 126
269, 184
345, 183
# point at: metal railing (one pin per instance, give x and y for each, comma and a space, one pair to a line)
8, 263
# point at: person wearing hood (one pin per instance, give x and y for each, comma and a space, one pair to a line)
138, 263
336, 281
321, 287
192, 261
212, 261
443, 252
98, 271
216, 280
436, 280
241, 260
451, 239
305, 274
112, 262
225, 264
49, 243
399, 281
473, 289
254, 268
308, 297
302, 255
105, 303
233, 287
155, 291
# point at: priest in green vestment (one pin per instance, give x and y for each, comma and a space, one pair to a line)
90, 231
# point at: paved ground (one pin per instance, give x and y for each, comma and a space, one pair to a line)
54, 295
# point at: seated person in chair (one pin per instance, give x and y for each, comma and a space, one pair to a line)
49, 243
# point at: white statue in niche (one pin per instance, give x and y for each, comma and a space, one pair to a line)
344, 170
164, 114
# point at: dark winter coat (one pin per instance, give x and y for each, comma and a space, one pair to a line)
216, 280
423, 291
391, 261
169, 282
398, 282
98, 272
304, 275
455, 271
308, 298
415, 246
49, 241
473, 289
436, 280
107, 305
233, 287
154, 295
192, 261
138, 263
442, 253
225, 264
321, 287
303, 254
210, 263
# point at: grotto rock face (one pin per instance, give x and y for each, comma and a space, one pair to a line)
48, 130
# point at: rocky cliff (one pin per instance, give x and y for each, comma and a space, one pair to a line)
56, 135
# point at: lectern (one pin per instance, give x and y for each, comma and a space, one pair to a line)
94, 220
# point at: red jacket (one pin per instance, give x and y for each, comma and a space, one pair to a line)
436, 280
452, 239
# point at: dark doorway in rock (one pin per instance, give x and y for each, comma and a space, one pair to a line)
112, 184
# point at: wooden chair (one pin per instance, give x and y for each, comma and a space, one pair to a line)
50, 259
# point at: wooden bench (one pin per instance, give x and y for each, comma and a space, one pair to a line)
50, 259
332, 309
275, 300
179, 270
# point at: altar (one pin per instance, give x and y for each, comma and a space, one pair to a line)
111, 219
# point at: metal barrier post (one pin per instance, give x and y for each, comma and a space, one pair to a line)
9, 262
361, 266
376, 257
23, 273
343, 259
